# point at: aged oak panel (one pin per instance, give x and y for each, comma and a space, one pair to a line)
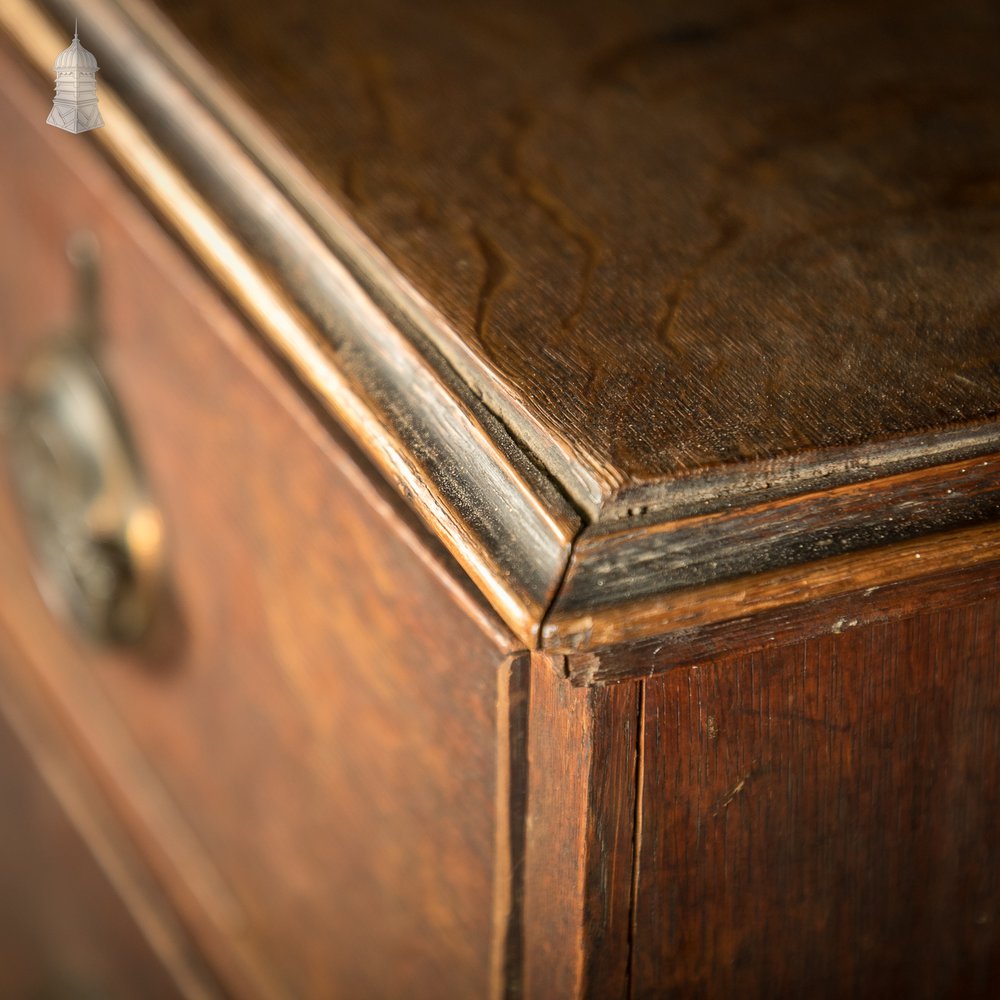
309, 750
64, 929
662, 238
821, 819
417, 388
582, 749
576, 430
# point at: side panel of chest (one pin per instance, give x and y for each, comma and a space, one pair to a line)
820, 819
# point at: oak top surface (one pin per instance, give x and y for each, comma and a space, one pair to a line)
676, 236
682, 234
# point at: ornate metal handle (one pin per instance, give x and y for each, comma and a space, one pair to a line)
96, 532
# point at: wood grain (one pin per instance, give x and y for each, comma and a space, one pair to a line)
582, 747
623, 563
771, 596
658, 241
820, 820
65, 931
310, 759
300, 265
338, 762
425, 430
786, 624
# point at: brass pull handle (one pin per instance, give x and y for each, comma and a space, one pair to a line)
96, 532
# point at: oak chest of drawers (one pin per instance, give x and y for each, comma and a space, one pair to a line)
501, 500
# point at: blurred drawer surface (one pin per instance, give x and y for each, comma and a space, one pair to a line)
308, 752
64, 931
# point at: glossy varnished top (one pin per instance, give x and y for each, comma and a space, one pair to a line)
668, 236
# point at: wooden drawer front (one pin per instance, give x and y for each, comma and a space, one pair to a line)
311, 759
64, 932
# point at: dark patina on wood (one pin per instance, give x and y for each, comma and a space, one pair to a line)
454, 820
313, 768
666, 267
582, 754
618, 566
663, 238
820, 820
868, 599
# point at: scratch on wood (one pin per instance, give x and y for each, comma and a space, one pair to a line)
841, 623
726, 799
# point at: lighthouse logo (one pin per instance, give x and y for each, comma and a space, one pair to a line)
75, 106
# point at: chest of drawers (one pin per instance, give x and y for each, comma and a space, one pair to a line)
571, 438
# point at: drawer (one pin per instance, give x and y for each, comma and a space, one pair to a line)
65, 930
309, 753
